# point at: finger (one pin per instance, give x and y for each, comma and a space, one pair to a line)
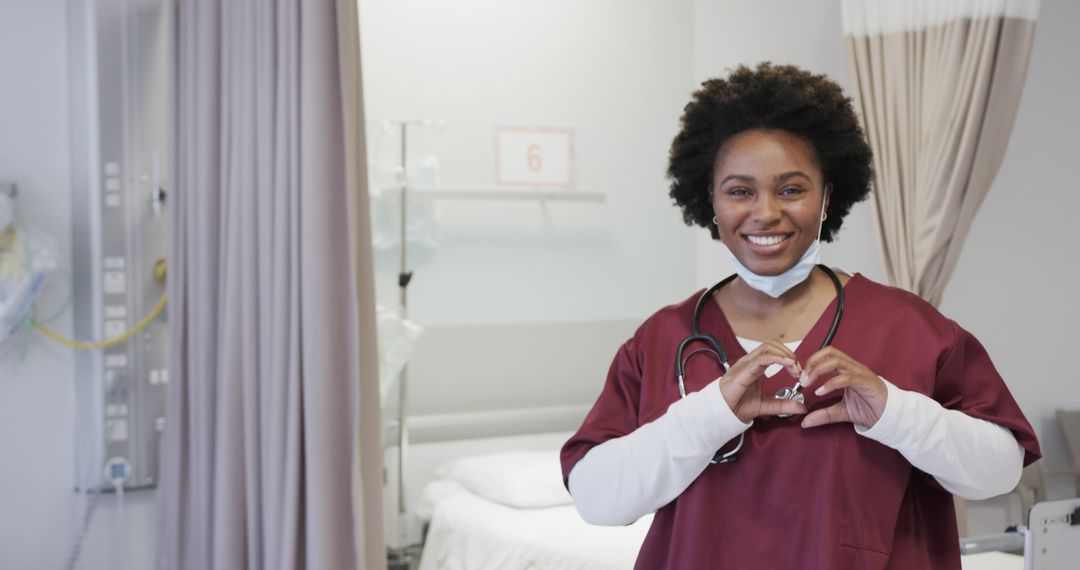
746, 372
778, 347
826, 353
764, 354
815, 361
870, 389
754, 365
774, 407
838, 382
834, 414
827, 365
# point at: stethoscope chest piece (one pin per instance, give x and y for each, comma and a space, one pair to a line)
790, 394
793, 394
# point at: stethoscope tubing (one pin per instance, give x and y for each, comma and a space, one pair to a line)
722, 356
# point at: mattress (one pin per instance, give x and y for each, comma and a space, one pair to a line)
469, 532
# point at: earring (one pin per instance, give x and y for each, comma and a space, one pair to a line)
824, 216
714, 222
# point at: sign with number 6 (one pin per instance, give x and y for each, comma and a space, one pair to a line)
536, 157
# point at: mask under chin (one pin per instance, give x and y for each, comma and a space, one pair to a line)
776, 285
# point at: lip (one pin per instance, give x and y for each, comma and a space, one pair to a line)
767, 250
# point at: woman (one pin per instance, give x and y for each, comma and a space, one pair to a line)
903, 408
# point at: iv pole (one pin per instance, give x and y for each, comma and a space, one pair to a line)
404, 276
398, 557
401, 557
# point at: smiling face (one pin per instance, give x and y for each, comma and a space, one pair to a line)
767, 197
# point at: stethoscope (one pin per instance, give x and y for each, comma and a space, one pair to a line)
714, 347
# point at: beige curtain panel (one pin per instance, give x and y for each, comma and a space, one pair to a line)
270, 456
938, 84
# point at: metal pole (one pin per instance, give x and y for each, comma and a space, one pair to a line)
403, 282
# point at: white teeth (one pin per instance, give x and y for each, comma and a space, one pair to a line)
766, 240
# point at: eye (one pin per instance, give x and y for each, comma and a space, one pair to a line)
737, 191
792, 191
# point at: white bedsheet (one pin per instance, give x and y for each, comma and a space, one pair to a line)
468, 532
992, 561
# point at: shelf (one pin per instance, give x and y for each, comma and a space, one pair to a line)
452, 193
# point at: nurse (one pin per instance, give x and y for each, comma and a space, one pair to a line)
903, 408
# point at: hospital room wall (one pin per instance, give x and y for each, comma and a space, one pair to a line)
617, 72
38, 508
1016, 283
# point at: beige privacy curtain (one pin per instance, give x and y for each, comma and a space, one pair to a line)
938, 83
270, 455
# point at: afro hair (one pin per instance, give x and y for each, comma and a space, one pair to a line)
770, 97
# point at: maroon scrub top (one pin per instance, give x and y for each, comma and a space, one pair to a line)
825, 497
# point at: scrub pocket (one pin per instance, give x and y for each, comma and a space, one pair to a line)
875, 480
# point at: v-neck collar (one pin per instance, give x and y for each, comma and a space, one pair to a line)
715, 322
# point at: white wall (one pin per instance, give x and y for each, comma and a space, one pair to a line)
36, 397
616, 71
38, 509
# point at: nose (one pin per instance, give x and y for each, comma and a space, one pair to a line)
766, 210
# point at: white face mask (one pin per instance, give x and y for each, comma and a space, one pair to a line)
776, 285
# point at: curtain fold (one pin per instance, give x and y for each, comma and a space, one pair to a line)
367, 479
269, 457
938, 85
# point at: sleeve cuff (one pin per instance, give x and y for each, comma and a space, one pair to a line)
887, 428
704, 418
726, 418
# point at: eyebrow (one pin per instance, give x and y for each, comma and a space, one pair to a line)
779, 177
792, 174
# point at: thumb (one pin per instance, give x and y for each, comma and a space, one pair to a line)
833, 414
774, 407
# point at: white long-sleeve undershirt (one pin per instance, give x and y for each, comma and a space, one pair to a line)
625, 478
